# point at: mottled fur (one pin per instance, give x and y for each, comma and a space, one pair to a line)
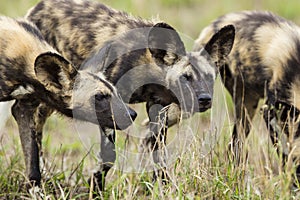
145, 59
41, 81
79, 29
264, 62
265, 56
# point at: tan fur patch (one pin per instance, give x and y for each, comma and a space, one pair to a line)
21, 43
273, 39
295, 96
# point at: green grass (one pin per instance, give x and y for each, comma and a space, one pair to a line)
200, 172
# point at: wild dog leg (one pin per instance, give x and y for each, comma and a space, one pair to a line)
156, 141
23, 113
107, 157
278, 118
41, 115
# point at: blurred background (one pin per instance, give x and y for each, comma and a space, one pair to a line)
187, 16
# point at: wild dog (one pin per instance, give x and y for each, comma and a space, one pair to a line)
264, 62
41, 81
145, 59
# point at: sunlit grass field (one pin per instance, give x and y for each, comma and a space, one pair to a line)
205, 170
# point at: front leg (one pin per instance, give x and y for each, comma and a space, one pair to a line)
40, 116
155, 143
107, 157
30, 123
279, 117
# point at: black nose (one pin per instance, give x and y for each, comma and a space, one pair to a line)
204, 100
132, 114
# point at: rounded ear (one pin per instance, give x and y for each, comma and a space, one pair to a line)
165, 44
220, 45
54, 72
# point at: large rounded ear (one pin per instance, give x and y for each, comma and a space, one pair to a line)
220, 45
165, 44
54, 72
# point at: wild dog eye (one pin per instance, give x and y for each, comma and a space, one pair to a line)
100, 97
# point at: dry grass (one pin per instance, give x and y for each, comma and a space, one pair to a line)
204, 169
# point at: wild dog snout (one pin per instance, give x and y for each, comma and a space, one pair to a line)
205, 101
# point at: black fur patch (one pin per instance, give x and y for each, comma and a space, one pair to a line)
31, 29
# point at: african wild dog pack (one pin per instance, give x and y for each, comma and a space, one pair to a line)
41, 81
264, 63
145, 59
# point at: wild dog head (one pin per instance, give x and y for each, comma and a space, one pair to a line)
86, 96
195, 72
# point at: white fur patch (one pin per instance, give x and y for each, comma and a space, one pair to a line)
21, 91
101, 75
295, 97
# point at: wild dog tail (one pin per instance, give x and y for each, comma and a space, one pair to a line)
4, 112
